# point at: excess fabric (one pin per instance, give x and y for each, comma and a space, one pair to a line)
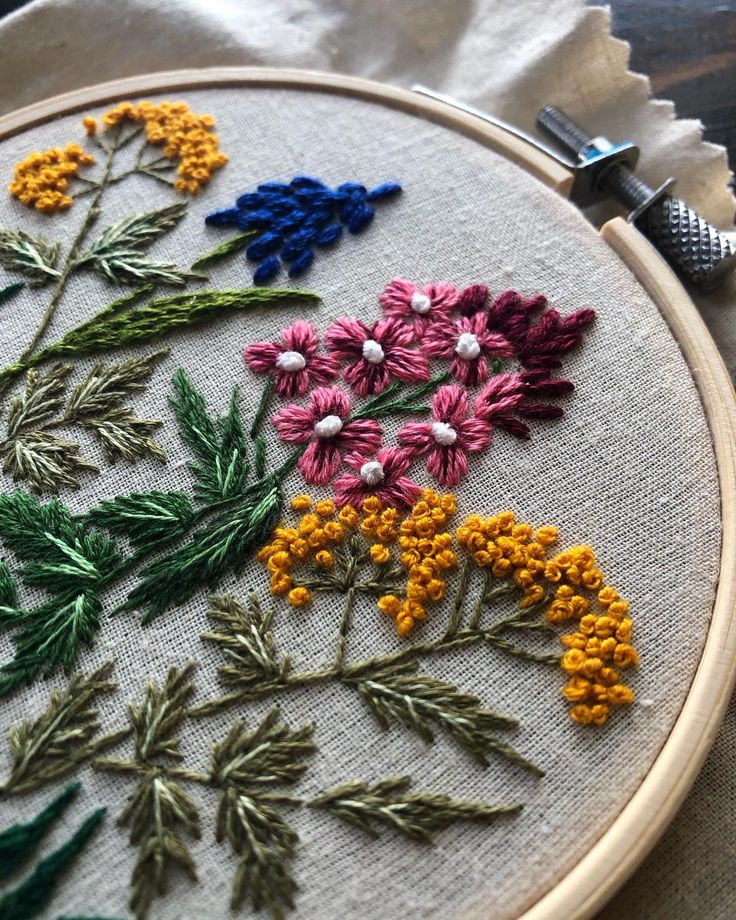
506, 59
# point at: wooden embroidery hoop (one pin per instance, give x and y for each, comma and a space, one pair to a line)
646, 815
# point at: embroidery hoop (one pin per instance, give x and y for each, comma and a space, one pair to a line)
643, 819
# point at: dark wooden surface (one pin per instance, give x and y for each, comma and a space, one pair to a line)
687, 47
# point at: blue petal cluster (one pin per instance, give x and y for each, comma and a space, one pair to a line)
293, 219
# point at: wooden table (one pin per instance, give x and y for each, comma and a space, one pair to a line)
688, 49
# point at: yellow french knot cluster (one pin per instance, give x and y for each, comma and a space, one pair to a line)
188, 138
510, 550
426, 554
318, 531
41, 180
601, 645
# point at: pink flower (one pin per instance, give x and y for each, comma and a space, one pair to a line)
295, 364
507, 396
421, 306
449, 438
323, 424
378, 353
467, 341
382, 477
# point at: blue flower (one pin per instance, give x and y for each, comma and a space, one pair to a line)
292, 220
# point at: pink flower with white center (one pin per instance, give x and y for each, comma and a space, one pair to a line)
378, 353
449, 437
420, 305
293, 363
466, 342
324, 425
382, 476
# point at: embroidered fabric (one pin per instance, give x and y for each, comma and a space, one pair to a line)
629, 470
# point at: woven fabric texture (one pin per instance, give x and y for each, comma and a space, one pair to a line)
629, 470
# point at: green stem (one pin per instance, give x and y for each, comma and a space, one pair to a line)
262, 407
342, 635
69, 265
457, 608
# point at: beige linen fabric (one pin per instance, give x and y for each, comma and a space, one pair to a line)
629, 470
508, 59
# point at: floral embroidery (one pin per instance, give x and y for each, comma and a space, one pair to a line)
380, 476
420, 305
324, 425
449, 437
186, 137
376, 354
41, 180
291, 220
468, 344
293, 363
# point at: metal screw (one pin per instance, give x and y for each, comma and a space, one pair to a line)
694, 248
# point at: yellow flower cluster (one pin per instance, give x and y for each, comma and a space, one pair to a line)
602, 642
510, 550
42, 179
426, 554
318, 529
188, 138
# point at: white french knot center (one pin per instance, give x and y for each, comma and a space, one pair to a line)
328, 427
443, 433
468, 346
420, 303
291, 361
372, 351
371, 473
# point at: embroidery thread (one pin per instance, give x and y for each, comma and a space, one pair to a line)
36, 892
291, 220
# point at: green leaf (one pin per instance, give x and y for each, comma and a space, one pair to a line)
105, 332
244, 764
147, 519
219, 446
414, 814
71, 565
10, 291
420, 702
46, 462
8, 590
158, 811
118, 253
231, 246
55, 743
42, 398
18, 842
221, 546
30, 256
36, 892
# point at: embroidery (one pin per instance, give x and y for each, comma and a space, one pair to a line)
20, 841
414, 814
33, 450
291, 220
41, 180
293, 363
35, 893
244, 767
53, 745
10, 290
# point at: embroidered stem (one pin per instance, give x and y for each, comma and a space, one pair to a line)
343, 632
71, 259
457, 608
262, 409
